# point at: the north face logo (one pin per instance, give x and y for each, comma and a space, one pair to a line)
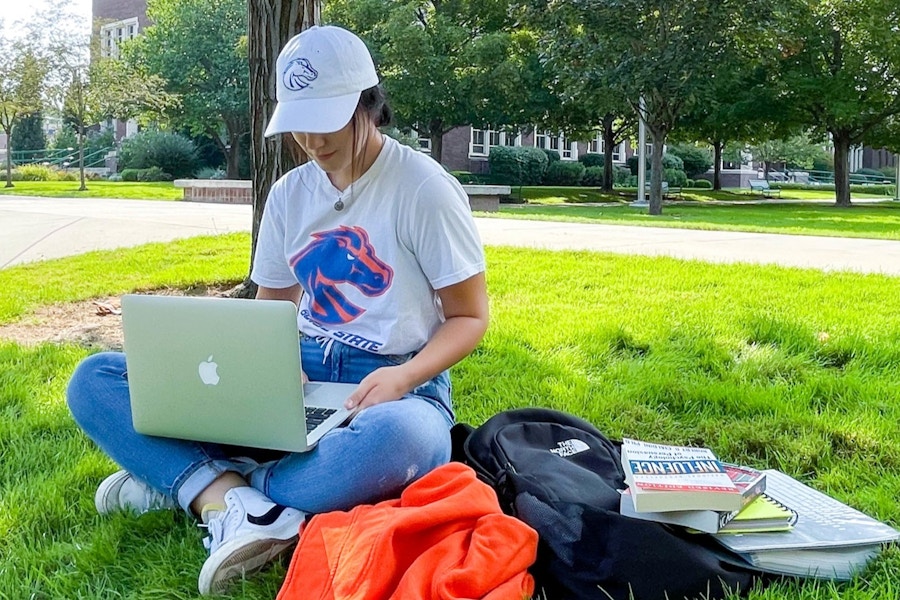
569, 447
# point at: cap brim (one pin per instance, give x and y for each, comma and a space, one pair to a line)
313, 115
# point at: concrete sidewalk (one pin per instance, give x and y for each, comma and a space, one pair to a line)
34, 228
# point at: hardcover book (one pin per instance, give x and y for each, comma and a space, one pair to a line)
751, 482
666, 478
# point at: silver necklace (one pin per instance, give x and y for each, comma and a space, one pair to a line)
339, 205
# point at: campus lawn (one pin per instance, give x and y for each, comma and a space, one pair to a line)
778, 368
552, 195
881, 221
95, 189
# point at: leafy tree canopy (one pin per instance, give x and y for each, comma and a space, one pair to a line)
199, 47
447, 64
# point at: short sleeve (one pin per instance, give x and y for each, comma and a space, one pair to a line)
270, 267
443, 234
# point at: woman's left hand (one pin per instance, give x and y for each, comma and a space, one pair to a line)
381, 385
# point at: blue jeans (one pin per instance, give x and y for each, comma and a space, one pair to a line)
383, 449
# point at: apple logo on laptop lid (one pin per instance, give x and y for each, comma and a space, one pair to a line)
209, 371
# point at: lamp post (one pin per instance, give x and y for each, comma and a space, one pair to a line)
641, 199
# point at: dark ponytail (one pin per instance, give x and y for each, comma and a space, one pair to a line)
373, 103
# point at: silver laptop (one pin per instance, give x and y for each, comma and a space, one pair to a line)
224, 370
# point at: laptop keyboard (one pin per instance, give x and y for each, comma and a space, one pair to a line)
317, 416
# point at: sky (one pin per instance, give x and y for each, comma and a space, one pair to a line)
23, 10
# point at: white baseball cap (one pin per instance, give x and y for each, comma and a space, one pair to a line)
321, 73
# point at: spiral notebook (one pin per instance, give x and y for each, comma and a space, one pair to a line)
829, 539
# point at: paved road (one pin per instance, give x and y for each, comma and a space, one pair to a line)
41, 228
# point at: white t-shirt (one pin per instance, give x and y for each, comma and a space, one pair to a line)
369, 271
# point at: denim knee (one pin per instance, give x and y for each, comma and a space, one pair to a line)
88, 390
419, 439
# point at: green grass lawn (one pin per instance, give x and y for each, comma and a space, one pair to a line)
579, 195
773, 367
880, 221
95, 189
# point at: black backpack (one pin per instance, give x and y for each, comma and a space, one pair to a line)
561, 476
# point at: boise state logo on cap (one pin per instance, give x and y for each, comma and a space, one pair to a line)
298, 74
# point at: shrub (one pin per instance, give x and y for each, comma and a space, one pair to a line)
621, 176
14, 175
536, 163
506, 165
593, 177
632, 162
564, 172
170, 152
114, 177
823, 162
703, 184
866, 176
675, 177
888, 172
37, 173
552, 156
517, 165
72, 176
696, 161
670, 161
592, 160
146, 175
689, 183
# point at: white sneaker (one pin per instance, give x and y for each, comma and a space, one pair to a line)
121, 492
249, 533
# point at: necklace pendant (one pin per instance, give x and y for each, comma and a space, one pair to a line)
339, 205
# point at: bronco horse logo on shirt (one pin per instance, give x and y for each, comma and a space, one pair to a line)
340, 256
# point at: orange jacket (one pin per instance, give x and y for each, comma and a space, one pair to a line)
445, 538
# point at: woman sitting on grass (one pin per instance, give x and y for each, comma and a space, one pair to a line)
407, 216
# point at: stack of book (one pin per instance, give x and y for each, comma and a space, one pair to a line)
774, 522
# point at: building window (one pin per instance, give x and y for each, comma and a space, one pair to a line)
596, 146
113, 34
556, 141
482, 140
477, 147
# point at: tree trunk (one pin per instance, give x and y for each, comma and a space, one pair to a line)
233, 157
656, 172
609, 142
766, 170
272, 24
718, 145
83, 187
437, 142
841, 141
9, 182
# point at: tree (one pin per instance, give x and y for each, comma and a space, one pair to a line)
841, 67
664, 52
446, 64
797, 151
580, 105
28, 133
199, 47
745, 105
22, 73
271, 24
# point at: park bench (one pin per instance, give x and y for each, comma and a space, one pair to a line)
761, 186
233, 191
670, 192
